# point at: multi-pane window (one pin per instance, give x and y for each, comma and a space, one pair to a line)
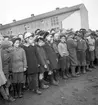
54, 21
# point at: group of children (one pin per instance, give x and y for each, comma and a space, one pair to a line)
37, 60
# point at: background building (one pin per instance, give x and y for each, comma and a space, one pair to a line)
75, 17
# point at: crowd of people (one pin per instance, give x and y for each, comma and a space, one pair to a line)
35, 61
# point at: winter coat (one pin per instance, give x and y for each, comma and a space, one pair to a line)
53, 59
32, 60
3, 79
96, 48
62, 48
81, 52
18, 59
43, 60
6, 61
71, 44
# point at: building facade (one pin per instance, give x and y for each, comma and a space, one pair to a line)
75, 17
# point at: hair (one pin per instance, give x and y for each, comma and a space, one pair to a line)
36, 31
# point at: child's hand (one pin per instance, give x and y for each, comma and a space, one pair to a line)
45, 66
25, 69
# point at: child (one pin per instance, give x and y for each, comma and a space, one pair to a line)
43, 62
63, 51
32, 62
6, 63
19, 65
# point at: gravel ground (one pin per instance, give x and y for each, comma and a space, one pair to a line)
77, 91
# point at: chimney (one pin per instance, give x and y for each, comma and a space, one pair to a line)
0, 24
57, 8
32, 15
14, 20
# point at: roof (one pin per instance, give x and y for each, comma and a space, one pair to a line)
42, 16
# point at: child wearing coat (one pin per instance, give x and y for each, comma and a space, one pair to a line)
44, 67
19, 65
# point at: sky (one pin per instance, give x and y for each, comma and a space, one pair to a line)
20, 9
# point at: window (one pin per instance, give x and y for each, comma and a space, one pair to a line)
54, 21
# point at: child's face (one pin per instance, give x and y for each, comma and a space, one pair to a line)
41, 43
63, 39
30, 40
16, 44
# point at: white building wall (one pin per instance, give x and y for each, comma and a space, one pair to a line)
72, 21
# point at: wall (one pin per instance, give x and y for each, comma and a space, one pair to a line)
84, 17
72, 21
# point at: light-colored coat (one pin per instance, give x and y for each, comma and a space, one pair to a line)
18, 59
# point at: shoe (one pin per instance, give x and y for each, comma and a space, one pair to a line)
68, 75
15, 95
11, 99
45, 82
84, 72
20, 95
75, 76
45, 87
88, 69
38, 92
54, 83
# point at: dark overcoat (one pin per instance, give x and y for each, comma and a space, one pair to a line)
96, 48
71, 44
53, 59
6, 61
32, 61
42, 58
81, 52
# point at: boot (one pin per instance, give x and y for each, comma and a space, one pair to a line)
56, 76
52, 81
63, 75
73, 71
37, 91
92, 65
42, 85
79, 70
67, 73
88, 69
10, 98
3, 93
15, 90
20, 94
84, 71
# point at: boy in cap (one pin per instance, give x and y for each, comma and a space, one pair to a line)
53, 60
32, 62
43, 62
72, 45
64, 57
81, 53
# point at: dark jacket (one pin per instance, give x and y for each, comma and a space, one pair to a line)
51, 56
71, 44
43, 60
6, 61
32, 61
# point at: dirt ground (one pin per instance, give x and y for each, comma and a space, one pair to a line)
78, 91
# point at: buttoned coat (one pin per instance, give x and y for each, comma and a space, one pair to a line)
18, 59
53, 59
